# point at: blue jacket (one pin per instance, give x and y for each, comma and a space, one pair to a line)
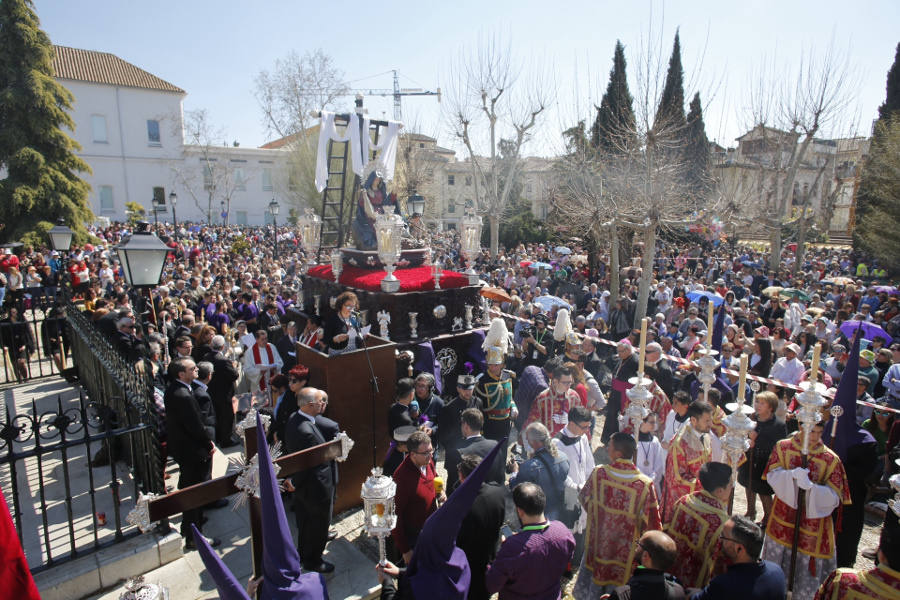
553, 482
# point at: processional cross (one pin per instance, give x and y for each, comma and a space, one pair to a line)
151, 508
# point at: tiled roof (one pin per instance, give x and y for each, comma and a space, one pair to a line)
106, 68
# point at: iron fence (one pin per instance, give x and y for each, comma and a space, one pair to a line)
32, 335
74, 464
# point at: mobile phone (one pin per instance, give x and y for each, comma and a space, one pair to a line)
506, 531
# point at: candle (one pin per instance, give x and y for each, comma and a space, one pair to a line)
709, 325
379, 509
643, 346
814, 375
742, 380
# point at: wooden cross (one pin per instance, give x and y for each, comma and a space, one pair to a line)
201, 494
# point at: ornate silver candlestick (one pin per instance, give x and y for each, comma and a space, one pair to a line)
413, 325
707, 375
378, 493
468, 308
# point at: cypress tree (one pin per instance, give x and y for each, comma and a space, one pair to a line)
868, 202
613, 128
37, 156
696, 150
892, 99
670, 120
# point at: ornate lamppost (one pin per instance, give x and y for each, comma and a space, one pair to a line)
310, 235
470, 242
173, 200
388, 233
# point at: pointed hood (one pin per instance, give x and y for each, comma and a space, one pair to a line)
718, 329
848, 432
282, 578
438, 568
476, 352
427, 363
226, 583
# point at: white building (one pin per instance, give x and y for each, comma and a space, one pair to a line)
129, 124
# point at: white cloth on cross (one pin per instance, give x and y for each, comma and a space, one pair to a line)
386, 148
328, 131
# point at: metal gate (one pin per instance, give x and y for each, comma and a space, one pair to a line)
33, 338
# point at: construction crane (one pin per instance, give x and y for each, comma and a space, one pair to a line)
397, 93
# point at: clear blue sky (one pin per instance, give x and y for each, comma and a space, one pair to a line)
215, 49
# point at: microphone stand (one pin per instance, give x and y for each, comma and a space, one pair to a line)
354, 321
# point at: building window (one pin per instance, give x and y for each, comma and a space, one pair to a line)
421, 144
528, 188
153, 132
240, 184
468, 180
98, 129
451, 207
240, 217
159, 198
267, 179
106, 199
207, 176
451, 180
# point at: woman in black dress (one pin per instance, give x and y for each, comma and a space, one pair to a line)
340, 327
769, 430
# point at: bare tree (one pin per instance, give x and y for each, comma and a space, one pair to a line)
490, 105
788, 110
205, 172
287, 94
297, 85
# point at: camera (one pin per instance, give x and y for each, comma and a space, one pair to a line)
527, 331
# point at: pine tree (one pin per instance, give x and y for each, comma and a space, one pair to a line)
670, 120
613, 128
879, 184
37, 157
696, 149
892, 100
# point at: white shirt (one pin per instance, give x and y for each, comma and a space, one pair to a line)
651, 460
788, 371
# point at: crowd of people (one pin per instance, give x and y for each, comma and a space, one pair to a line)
218, 335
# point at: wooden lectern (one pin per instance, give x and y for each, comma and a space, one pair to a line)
353, 403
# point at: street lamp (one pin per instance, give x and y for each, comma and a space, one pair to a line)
273, 210
173, 200
61, 236
154, 206
143, 257
416, 205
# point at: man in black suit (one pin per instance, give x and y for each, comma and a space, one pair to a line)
200, 388
314, 487
449, 432
479, 534
221, 390
188, 443
126, 342
471, 422
287, 346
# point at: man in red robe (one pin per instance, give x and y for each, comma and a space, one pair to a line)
697, 523
621, 505
879, 583
826, 488
551, 407
691, 448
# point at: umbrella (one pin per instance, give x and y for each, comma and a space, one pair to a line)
712, 296
525, 263
750, 263
541, 265
548, 302
772, 290
495, 293
869, 330
793, 293
814, 311
843, 280
887, 289
562, 250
